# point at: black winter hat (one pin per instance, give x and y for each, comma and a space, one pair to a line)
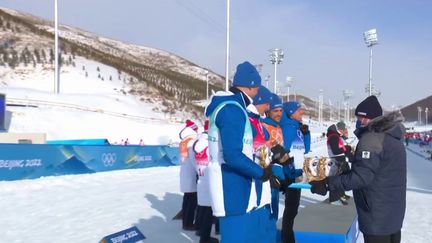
369, 108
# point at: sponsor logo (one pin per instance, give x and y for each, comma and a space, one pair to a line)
365, 155
300, 135
139, 158
108, 159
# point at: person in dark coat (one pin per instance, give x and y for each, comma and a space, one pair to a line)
378, 173
340, 154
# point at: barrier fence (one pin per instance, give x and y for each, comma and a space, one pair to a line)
30, 161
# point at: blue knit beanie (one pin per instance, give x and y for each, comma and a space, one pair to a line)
291, 107
263, 96
246, 76
276, 102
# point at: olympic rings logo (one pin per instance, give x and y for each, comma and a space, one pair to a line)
109, 159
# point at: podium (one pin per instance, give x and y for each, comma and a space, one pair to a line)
326, 223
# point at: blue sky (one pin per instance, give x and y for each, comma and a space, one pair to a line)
322, 39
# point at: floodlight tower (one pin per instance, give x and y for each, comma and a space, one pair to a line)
56, 50
347, 94
227, 51
419, 109
289, 82
276, 57
266, 79
371, 39
320, 105
207, 84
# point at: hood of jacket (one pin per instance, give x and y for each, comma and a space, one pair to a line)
222, 96
332, 130
390, 123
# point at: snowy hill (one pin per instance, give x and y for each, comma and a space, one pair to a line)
86, 107
410, 112
154, 76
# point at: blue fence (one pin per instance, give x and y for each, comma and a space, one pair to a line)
29, 161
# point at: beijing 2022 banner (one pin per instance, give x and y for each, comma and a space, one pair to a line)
29, 161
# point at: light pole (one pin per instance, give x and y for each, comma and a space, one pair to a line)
320, 105
207, 84
370, 38
289, 82
56, 50
276, 57
258, 67
227, 46
419, 109
347, 94
266, 79
426, 114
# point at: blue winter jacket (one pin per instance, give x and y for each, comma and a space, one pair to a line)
238, 170
290, 128
378, 176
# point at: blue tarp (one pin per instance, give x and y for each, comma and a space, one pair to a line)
29, 161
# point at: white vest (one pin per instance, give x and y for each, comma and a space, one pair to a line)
298, 150
200, 148
188, 181
216, 160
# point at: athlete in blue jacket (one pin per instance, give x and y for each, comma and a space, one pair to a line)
297, 140
232, 170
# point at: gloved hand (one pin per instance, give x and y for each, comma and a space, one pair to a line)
275, 174
280, 155
304, 129
319, 187
267, 174
289, 161
348, 149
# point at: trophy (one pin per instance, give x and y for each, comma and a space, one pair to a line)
262, 154
317, 169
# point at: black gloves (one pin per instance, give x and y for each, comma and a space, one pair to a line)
319, 187
348, 149
274, 173
280, 156
267, 174
304, 129
285, 184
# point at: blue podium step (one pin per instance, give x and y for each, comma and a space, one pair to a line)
326, 223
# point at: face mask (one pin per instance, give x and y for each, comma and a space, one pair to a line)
359, 124
344, 137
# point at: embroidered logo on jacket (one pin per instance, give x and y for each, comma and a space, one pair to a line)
365, 155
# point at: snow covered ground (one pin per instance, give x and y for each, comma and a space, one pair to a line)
86, 107
85, 208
